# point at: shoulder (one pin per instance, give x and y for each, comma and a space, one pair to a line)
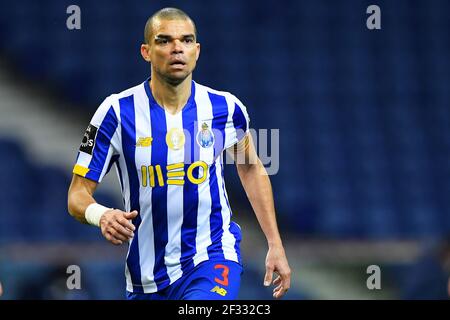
230, 97
133, 91
113, 100
137, 90
202, 89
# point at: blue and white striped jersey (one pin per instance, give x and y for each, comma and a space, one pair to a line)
170, 170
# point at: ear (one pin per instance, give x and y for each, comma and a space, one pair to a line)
145, 52
198, 51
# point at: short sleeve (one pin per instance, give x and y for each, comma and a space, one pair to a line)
238, 124
96, 148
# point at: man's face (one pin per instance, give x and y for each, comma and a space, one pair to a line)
172, 49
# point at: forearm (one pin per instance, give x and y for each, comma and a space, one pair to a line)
259, 192
78, 201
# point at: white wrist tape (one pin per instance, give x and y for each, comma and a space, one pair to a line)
94, 212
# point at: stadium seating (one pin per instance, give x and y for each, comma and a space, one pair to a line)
33, 201
363, 115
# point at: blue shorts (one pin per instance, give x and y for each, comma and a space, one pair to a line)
209, 280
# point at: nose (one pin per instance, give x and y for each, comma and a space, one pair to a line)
177, 46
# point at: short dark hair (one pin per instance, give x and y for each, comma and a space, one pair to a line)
167, 14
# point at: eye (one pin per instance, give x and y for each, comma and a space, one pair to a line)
188, 40
161, 41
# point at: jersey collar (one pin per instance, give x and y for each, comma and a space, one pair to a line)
153, 101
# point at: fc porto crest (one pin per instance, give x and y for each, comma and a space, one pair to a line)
175, 139
205, 137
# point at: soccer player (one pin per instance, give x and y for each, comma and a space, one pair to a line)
166, 137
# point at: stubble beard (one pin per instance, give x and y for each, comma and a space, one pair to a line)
172, 80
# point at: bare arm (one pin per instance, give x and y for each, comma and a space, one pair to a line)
257, 186
115, 224
448, 287
80, 196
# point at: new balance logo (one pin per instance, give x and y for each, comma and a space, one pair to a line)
144, 142
219, 290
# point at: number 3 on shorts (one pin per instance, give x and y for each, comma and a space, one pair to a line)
224, 274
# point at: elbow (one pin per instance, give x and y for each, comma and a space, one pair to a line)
246, 168
243, 169
70, 204
251, 171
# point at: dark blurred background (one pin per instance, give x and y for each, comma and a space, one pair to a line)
364, 120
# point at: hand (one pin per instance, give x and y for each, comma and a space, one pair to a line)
116, 225
276, 261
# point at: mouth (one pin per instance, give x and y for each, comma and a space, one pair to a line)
177, 63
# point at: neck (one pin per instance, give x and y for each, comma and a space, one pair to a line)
171, 97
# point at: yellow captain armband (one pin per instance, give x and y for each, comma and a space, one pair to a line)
80, 170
